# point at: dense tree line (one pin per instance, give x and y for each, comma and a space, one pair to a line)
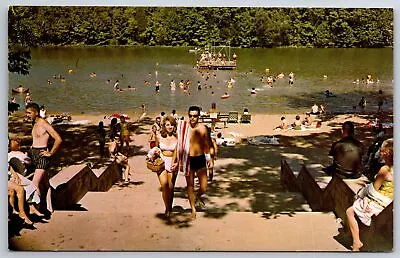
198, 26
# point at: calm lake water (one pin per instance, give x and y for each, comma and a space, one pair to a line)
315, 71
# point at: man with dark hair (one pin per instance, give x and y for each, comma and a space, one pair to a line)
40, 154
195, 154
347, 154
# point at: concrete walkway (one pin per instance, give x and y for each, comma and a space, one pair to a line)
247, 210
130, 218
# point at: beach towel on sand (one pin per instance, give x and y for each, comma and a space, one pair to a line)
183, 131
369, 202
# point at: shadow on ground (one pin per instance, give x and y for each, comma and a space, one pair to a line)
80, 142
247, 176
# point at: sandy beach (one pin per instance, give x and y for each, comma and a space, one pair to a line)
246, 186
80, 140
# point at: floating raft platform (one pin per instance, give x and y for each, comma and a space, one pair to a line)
217, 65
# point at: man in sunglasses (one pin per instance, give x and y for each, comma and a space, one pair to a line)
200, 152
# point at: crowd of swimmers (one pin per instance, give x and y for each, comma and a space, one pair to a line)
269, 80
380, 100
368, 80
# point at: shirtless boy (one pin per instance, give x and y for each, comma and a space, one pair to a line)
200, 153
40, 154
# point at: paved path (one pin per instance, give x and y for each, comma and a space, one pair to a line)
246, 211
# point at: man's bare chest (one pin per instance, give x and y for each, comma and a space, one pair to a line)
38, 131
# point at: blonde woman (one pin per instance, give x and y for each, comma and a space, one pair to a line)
373, 198
167, 141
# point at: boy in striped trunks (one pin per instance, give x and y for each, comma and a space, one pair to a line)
40, 154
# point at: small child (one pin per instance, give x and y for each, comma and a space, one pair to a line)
153, 137
307, 120
283, 125
119, 158
297, 123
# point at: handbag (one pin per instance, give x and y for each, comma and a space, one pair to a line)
156, 165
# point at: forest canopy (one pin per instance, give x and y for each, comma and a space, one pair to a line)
33, 26
199, 26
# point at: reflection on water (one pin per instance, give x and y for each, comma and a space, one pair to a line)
315, 71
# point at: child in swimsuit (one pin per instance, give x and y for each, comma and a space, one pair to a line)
153, 137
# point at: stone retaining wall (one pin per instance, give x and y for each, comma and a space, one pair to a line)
72, 183
337, 196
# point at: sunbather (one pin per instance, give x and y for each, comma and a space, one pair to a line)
283, 124
15, 188
374, 197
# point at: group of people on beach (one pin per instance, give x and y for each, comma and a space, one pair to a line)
350, 161
37, 192
183, 145
307, 122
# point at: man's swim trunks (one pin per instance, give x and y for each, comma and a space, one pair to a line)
197, 162
38, 160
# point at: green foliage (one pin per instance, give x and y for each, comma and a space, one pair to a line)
200, 26
194, 26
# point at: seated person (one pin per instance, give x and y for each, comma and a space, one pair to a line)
119, 158
19, 160
314, 109
347, 154
220, 139
373, 161
297, 123
321, 109
23, 193
284, 125
307, 122
373, 198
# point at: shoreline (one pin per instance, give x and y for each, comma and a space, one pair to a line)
80, 140
261, 124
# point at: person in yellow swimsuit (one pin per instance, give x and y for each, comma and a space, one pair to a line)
124, 137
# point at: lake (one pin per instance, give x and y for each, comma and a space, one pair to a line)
315, 71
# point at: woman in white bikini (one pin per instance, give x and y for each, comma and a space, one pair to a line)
167, 143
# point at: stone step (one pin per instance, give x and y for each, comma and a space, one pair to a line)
234, 231
128, 197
